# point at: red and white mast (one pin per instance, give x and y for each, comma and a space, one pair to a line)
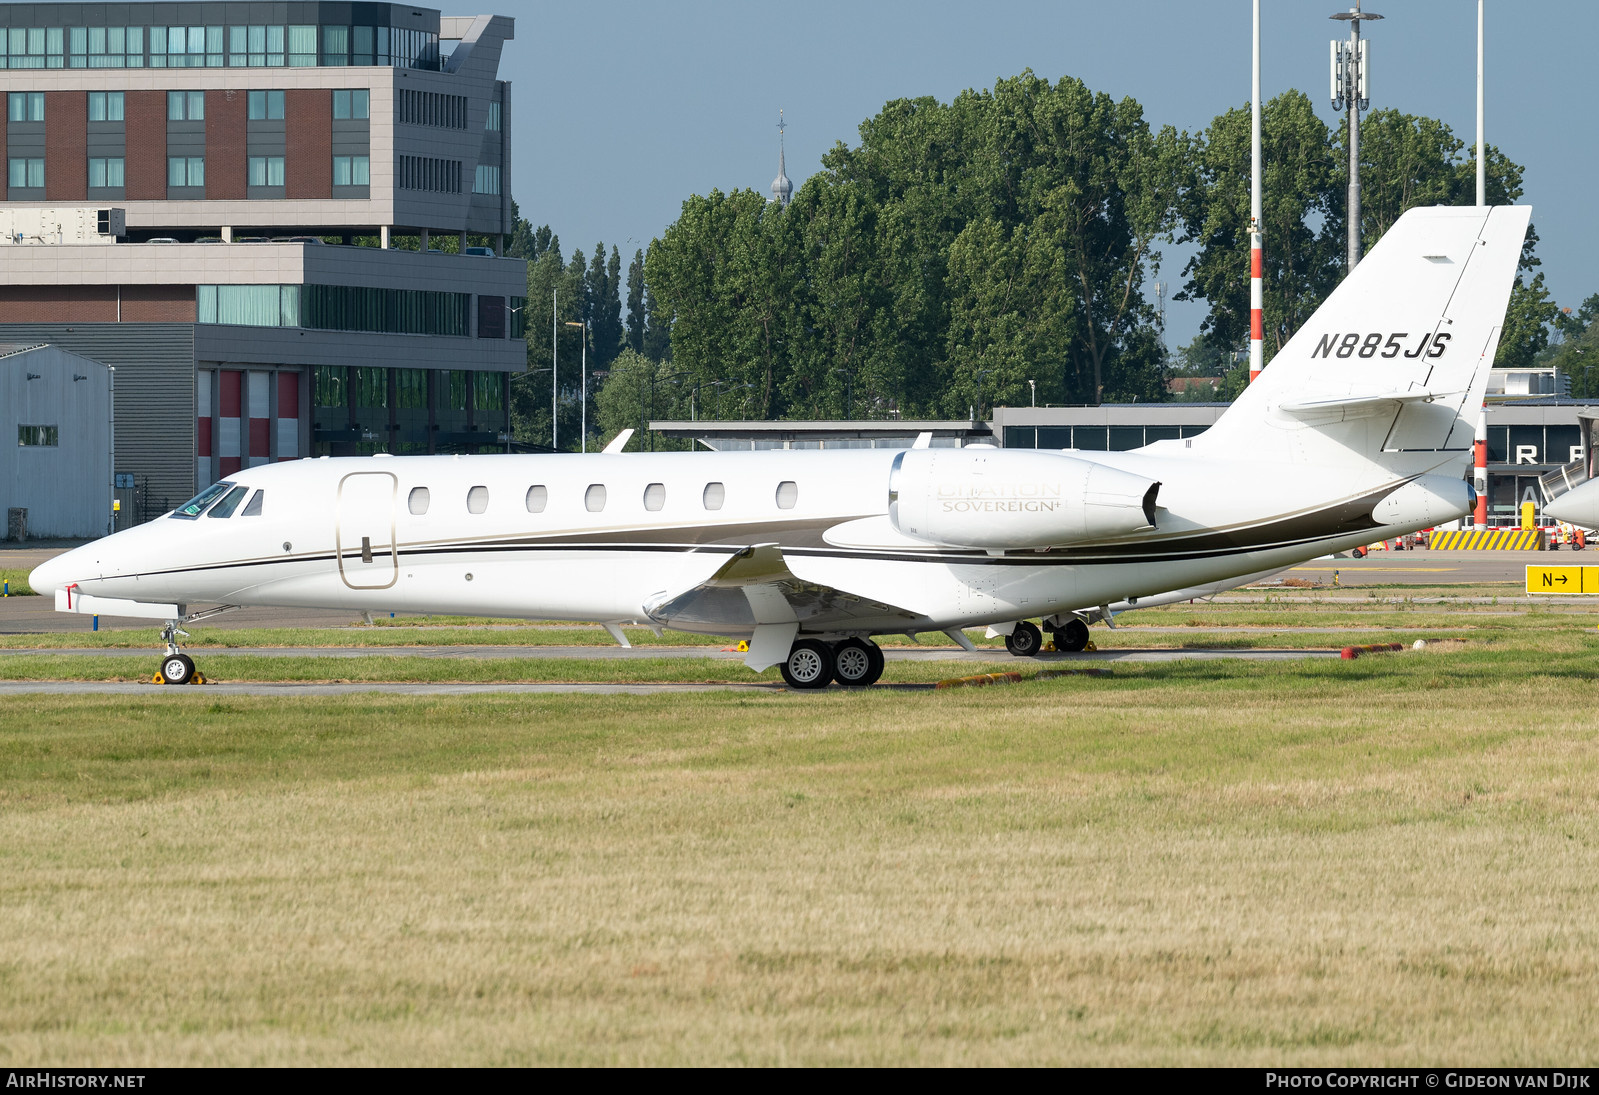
1257, 326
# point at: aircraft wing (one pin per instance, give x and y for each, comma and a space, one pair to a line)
756, 591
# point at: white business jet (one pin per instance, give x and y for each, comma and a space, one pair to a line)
1360, 430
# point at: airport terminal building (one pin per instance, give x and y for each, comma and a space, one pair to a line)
268, 157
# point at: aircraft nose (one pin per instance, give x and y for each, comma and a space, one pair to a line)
54, 574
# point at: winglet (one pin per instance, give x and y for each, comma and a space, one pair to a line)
619, 442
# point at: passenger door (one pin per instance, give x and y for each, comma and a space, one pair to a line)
365, 531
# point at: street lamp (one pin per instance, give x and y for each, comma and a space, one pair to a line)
849, 391
1032, 386
584, 385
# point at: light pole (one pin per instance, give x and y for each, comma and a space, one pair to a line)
1349, 93
555, 387
584, 384
849, 391
1032, 386
1482, 167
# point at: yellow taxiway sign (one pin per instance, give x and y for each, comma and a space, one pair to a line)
1541, 579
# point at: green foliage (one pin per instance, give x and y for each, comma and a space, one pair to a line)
1577, 352
958, 252
1299, 202
637, 390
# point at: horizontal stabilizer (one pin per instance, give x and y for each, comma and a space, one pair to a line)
1373, 402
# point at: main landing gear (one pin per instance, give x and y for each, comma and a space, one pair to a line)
176, 666
1026, 640
853, 663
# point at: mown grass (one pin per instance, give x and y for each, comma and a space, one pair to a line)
1385, 861
17, 582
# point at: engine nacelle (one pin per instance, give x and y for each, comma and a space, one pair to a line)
1009, 498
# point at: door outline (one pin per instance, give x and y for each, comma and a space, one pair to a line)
366, 548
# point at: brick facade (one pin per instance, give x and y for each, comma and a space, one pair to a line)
96, 303
66, 146
146, 167
158, 304
308, 159
225, 168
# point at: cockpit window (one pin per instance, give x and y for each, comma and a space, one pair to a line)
229, 503
254, 508
196, 505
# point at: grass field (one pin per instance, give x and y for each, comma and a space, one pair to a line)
1391, 860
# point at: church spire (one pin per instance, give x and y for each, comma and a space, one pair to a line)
782, 189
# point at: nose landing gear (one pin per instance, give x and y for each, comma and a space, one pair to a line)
176, 666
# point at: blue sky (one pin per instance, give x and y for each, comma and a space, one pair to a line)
623, 108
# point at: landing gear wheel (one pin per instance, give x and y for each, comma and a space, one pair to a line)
1072, 636
809, 664
857, 663
176, 669
1026, 641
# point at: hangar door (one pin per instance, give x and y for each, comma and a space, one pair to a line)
365, 535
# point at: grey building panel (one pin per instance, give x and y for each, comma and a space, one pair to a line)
185, 138
264, 137
107, 139
230, 346
25, 139
155, 394
65, 487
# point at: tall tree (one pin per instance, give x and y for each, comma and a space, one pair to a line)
1299, 193
635, 302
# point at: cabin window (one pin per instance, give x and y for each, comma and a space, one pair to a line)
715, 495
594, 497
655, 497
196, 505
537, 499
254, 508
418, 500
477, 499
787, 494
229, 503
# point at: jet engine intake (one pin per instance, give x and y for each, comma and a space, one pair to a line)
1007, 498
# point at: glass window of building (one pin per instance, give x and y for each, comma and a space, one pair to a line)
537, 498
302, 46
352, 171
493, 122
488, 392
361, 42
106, 106
329, 385
477, 499
264, 105
411, 389
185, 171
352, 103
266, 170
335, 46
106, 172
417, 501
25, 106
44, 436
186, 106
25, 173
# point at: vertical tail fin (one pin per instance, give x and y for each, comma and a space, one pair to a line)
1396, 360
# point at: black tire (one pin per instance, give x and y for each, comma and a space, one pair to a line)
177, 669
1072, 637
857, 663
809, 664
1026, 641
